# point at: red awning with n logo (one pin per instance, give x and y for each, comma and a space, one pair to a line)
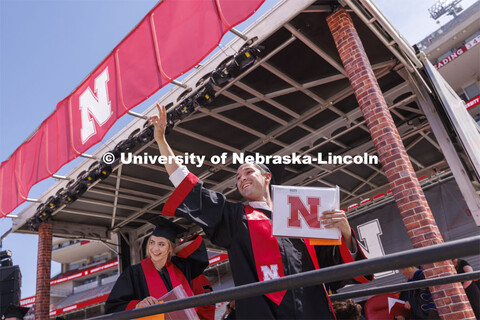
172, 38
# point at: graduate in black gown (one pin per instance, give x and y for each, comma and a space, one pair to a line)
165, 268
246, 232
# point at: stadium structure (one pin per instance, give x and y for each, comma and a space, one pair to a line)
294, 95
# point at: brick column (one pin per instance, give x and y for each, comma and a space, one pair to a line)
422, 229
44, 258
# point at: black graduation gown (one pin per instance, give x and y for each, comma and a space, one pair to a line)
225, 223
472, 291
131, 286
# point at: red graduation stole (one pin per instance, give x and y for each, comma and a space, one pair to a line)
155, 284
266, 251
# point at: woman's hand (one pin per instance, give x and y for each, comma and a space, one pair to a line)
148, 301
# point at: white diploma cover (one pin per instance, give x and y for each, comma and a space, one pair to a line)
297, 212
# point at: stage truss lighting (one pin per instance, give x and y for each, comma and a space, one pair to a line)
184, 109
75, 191
247, 56
205, 95
170, 123
223, 73
145, 135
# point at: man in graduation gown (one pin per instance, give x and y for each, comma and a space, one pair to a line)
246, 232
143, 284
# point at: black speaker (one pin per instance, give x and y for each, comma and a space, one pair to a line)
10, 280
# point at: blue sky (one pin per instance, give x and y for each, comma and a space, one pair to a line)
47, 47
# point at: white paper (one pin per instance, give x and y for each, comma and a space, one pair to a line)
178, 293
284, 217
391, 303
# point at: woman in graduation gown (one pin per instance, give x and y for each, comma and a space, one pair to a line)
164, 268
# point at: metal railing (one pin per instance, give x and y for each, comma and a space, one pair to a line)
406, 286
420, 256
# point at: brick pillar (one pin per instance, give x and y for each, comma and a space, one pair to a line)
44, 257
422, 229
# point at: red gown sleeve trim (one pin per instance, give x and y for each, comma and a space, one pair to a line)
179, 194
191, 248
132, 304
347, 257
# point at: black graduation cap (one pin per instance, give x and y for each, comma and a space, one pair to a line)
276, 170
166, 228
15, 312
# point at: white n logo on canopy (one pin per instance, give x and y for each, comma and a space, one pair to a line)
95, 105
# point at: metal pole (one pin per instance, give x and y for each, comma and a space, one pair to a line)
239, 34
450, 250
138, 115
177, 83
407, 286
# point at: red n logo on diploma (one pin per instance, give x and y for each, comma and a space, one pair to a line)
297, 206
291, 204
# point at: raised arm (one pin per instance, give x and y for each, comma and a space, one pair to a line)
160, 124
191, 257
190, 199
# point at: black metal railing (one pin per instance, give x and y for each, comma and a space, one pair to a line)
414, 257
406, 286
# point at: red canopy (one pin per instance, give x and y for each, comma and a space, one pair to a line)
172, 38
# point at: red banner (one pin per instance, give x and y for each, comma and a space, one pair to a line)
172, 38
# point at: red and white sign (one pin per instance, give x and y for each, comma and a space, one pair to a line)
297, 211
27, 302
171, 39
469, 45
472, 102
